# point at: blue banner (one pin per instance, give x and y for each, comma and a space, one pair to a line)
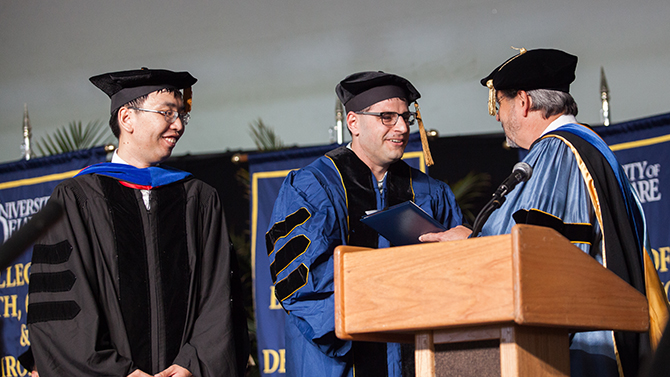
267, 172
25, 187
643, 149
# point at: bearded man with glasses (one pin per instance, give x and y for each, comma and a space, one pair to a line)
579, 189
320, 207
135, 278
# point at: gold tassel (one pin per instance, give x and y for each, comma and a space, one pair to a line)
188, 99
492, 91
492, 98
424, 138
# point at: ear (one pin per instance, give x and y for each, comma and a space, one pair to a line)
523, 102
353, 123
126, 120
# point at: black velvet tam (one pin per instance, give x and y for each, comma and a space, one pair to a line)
535, 69
362, 89
125, 86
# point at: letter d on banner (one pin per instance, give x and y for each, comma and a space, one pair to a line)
274, 361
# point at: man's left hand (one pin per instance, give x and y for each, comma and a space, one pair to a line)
456, 233
175, 371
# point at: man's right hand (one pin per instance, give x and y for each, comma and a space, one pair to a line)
139, 373
456, 233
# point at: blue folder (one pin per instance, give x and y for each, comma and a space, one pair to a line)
403, 223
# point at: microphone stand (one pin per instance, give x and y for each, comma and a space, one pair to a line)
521, 173
484, 214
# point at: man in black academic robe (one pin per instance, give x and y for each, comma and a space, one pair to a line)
134, 279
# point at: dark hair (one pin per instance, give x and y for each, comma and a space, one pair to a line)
550, 102
137, 102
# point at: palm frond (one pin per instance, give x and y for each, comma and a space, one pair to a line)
265, 137
74, 137
470, 188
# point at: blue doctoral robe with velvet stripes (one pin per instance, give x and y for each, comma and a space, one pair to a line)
578, 188
318, 208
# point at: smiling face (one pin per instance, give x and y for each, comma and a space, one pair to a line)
377, 145
146, 138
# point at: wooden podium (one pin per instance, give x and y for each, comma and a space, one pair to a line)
527, 289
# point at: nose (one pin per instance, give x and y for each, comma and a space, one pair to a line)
401, 125
498, 116
177, 125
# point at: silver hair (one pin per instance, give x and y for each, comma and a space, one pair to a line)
552, 102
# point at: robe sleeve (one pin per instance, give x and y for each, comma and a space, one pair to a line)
69, 336
305, 228
556, 187
444, 206
210, 350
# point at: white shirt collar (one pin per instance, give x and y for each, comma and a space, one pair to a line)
117, 159
560, 121
146, 194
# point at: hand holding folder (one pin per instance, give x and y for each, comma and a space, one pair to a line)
402, 224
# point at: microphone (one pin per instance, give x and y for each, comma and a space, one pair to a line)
520, 173
29, 232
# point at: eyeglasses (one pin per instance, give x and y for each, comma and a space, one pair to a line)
498, 101
170, 115
390, 118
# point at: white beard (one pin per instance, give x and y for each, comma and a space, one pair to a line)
511, 143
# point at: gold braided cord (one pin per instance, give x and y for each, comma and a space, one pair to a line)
521, 50
489, 84
424, 138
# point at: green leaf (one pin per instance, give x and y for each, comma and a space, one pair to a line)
74, 137
470, 188
265, 137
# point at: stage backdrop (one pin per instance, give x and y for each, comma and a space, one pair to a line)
25, 186
267, 172
643, 148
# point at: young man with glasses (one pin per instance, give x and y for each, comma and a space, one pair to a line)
320, 207
135, 278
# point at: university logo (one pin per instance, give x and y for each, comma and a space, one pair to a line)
644, 177
15, 214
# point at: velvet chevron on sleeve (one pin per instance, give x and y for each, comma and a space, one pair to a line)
121, 288
318, 208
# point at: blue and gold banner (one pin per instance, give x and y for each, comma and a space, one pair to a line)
643, 149
25, 187
267, 172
